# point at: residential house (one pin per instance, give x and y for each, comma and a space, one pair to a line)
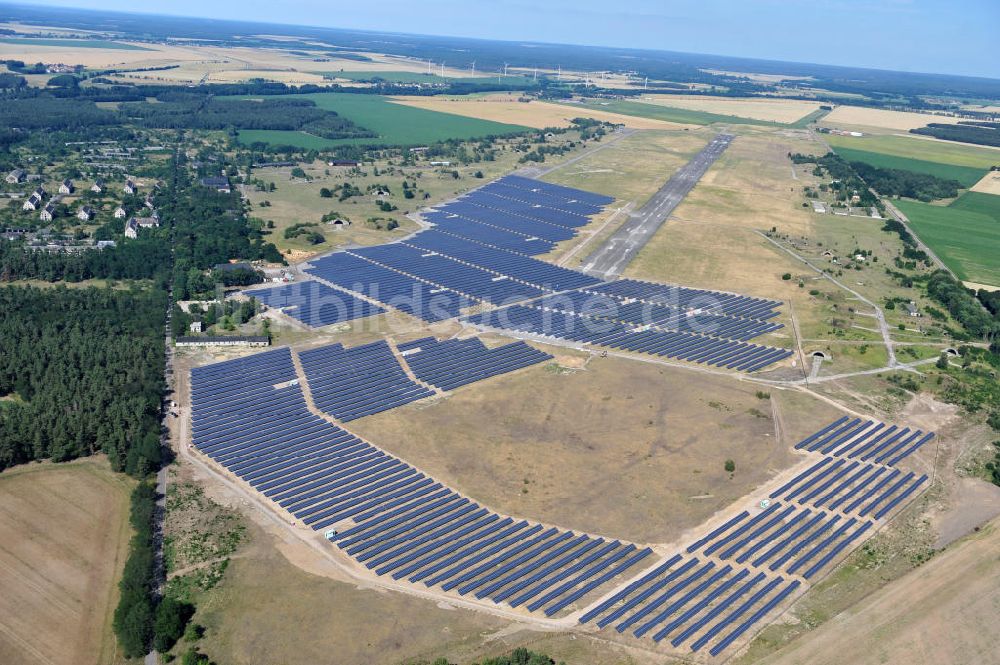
97, 187
16, 176
131, 228
32, 203
130, 187
66, 187
218, 183
85, 214
120, 213
48, 213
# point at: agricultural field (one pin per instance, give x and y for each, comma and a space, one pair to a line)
73, 43
923, 149
395, 124
537, 114
785, 111
978, 202
643, 462
900, 121
665, 113
967, 240
989, 184
967, 175
64, 530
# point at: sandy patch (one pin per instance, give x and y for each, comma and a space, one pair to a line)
530, 114
771, 110
878, 118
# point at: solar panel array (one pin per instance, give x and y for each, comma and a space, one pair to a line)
598, 331
739, 572
452, 363
315, 304
682, 297
250, 416
665, 317
393, 288
360, 381
866, 440
685, 597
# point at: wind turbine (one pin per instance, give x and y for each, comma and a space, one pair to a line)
536, 73
442, 69
505, 69
473, 69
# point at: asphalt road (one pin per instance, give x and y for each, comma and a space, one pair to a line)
608, 260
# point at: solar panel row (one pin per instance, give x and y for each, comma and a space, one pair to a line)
251, 417
866, 440
403, 292
697, 348
315, 304
360, 381
437, 269
664, 317
452, 363
544, 275
685, 298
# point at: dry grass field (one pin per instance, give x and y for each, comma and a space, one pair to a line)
633, 168
642, 460
63, 539
530, 114
946, 611
990, 184
901, 121
772, 110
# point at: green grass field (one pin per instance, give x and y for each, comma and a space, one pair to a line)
668, 113
967, 175
967, 240
72, 43
395, 124
978, 202
940, 152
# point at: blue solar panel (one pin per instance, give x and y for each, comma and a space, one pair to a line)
315, 304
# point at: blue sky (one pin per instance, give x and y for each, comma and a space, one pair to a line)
953, 37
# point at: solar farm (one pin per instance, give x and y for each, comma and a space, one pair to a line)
279, 423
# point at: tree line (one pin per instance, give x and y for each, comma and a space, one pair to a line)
980, 133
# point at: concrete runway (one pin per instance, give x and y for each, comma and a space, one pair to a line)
608, 260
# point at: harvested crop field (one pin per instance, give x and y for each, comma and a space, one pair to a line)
663, 112
63, 537
535, 114
643, 461
902, 121
989, 184
770, 110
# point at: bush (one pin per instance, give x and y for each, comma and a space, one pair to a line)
787, 276
171, 618
730, 466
